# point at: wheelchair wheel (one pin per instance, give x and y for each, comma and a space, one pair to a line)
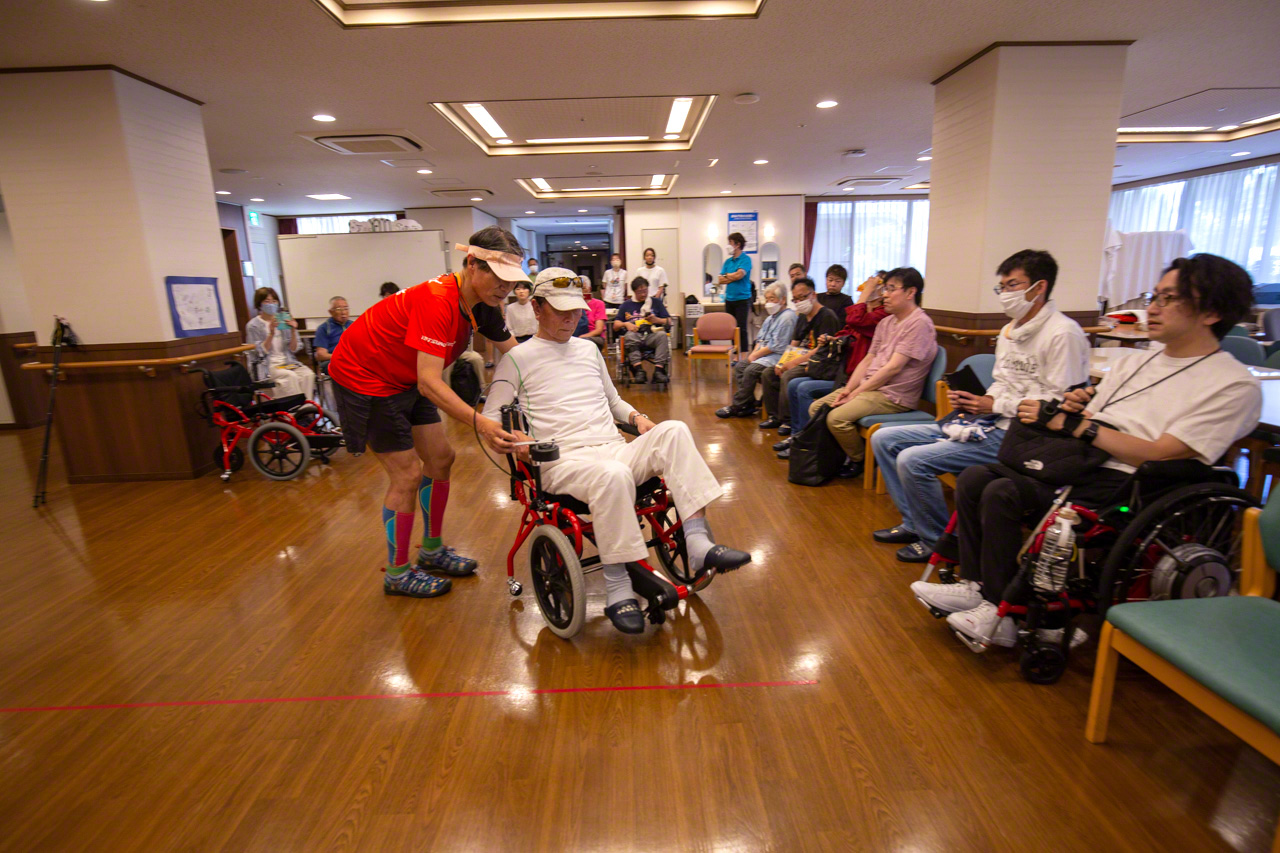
675, 564
1042, 663
557, 581
317, 420
279, 450
1184, 545
236, 462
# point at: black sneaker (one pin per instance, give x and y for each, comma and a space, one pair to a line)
895, 536
726, 412
916, 552
771, 423
849, 470
638, 374
659, 376
785, 453
785, 429
782, 445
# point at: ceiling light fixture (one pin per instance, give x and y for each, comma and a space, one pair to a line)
529, 212
671, 136
656, 181
222, 192
1159, 129
1230, 127
725, 192
322, 117
1261, 120
570, 140
713, 162
476, 198
582, 210
923, 159
330, 197
679, 114
505, 142
1242, 154
424, 172
257, 199
595, 189
541, 183
482, 117
761, 162
847, 189
826, 105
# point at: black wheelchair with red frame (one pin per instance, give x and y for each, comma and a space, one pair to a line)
557, 526
282, 435
1173, 530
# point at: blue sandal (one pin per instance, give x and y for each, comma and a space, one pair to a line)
445, 561
416, 584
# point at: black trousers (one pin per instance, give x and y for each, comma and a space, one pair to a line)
991, 507
774, 395
741, 311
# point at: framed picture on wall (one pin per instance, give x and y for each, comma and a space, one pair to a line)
195, 306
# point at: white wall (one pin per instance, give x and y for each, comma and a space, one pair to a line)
264, 251
706, 220
457, 223
15, 314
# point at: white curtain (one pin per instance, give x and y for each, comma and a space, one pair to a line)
833, 237
866, 236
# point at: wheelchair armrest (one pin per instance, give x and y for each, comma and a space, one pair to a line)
1271, 454
1180, 471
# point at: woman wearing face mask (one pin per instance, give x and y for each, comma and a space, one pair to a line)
735, 278
276, 341
614, 283
772, 341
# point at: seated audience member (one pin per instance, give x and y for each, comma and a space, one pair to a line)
1039, 355
892, 375
591, 323
835, 298
1188, 399
774, 336
521, 322
812, 322
873, 283
795, 272
389, 288
643, 319
330, 331
860, 321
275, 343
564, 388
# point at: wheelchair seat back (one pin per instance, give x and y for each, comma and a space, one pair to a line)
230, 384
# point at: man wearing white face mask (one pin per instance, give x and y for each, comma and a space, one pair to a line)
774, 336
1039, 355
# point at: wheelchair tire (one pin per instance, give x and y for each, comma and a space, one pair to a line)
236, 461
316, 420
1042, 663
1209, 515
675, 565
279, 450
557, 580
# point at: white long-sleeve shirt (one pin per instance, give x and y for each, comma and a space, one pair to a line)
564, 389
1038, 360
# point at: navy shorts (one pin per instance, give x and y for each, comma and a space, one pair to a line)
385, 424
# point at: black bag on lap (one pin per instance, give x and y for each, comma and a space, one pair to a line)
816, 456
827, 360
1050, 457
464, 382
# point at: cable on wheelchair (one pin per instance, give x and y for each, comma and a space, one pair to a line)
476, 430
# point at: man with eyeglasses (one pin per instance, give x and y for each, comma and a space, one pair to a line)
390, 387
1039, 355
567, 396
1185, 398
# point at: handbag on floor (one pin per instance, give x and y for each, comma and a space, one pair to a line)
816, 456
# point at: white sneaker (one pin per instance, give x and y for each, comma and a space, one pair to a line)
1053, 636
982, 627
948, 597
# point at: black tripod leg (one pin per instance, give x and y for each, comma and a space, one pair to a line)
42, 476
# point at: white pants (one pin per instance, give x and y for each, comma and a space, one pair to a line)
605, 478
299, 380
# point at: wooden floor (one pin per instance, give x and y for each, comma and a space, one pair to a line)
190, 594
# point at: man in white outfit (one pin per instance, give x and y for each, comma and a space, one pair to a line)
565, 391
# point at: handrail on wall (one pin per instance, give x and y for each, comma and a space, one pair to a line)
962, 335
146, 365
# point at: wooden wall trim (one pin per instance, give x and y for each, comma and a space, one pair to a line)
28, 392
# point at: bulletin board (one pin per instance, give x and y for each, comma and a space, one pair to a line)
195, 306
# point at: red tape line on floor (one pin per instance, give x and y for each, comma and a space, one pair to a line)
461, 694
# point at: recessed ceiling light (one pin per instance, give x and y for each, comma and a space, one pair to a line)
656, 181
826, 105
257, 199
746, 98
505, 142
923, 159
1230, 127
424, 171
679, 114
1242, 154
582, 210
476, 198
530, 212
1159, 129
847, 189
222, 192
482, 117
577, 241
541, 183
322, 117
761, 162
330, 197
568, 140
713, 162
671, 136
725, 192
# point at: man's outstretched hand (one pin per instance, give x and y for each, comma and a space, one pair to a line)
494, 435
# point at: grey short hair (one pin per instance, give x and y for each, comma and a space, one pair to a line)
333, 299
777, 291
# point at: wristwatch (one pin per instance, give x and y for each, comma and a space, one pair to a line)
1090, 432
635, 416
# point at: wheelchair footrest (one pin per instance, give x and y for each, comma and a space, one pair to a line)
651, 586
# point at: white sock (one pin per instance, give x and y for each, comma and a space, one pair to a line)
617, 584
697, 541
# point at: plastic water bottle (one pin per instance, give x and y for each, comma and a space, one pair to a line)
1056, 549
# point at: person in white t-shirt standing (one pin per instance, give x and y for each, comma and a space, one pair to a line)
614, 283
565, 391
654, 274
1187, 400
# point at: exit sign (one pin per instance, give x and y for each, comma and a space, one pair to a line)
253, 218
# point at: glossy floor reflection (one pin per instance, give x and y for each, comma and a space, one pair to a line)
161, 592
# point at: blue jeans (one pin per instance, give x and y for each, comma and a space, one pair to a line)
911, 457
800, 395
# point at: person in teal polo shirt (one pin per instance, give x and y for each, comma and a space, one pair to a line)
735, 277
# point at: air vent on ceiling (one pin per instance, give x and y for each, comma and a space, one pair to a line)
878, 181
380, 144
464, 195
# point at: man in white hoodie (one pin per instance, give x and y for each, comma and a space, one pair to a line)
1039, 355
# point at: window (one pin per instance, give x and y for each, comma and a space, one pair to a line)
865, 236
1234, 214
337, 224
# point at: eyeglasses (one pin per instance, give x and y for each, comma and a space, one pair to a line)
1006, 287
892, 288
1162, 300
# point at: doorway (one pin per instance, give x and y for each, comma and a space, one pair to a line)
239, 298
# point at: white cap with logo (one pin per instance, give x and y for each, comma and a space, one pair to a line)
561, 287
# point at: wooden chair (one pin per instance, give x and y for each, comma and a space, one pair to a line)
719, 326
1217, 653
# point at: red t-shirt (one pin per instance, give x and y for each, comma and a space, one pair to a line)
379, 352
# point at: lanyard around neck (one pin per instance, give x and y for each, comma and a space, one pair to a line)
1115, 399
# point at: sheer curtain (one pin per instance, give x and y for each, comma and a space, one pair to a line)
833, 238
336, 224
865, 236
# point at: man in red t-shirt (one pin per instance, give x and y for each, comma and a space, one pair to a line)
390, 389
